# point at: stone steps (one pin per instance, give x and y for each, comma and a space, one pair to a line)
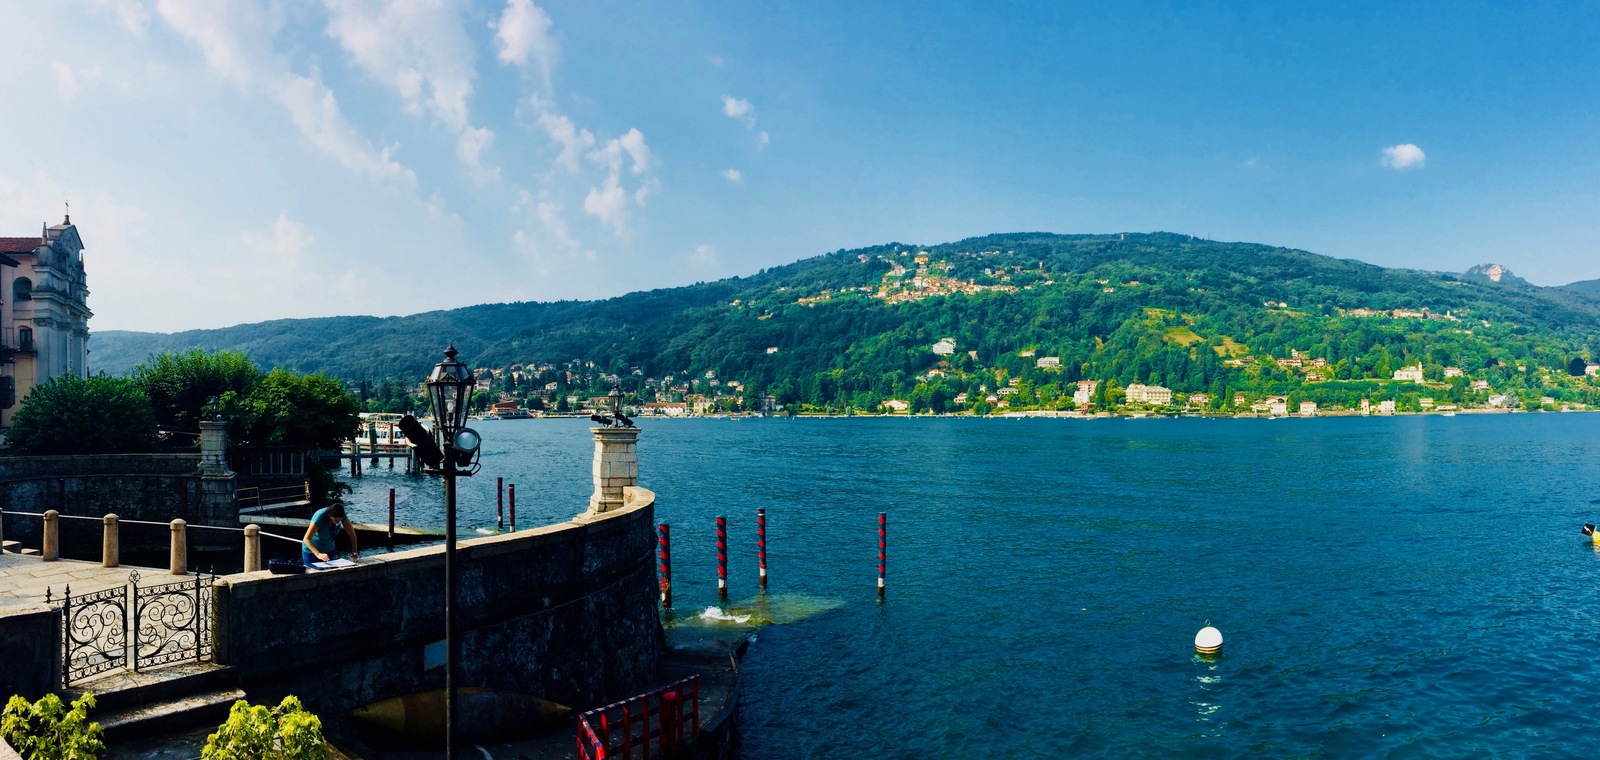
12, 547
173, 699
206, 709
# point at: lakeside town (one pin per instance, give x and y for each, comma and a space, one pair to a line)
520, 391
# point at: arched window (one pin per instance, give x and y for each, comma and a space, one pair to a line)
22, 289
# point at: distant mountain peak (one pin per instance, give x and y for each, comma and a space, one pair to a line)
1495, 273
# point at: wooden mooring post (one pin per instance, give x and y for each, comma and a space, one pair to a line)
883, 549
761, 545
499, 503
722, 558
511, 505
664, 562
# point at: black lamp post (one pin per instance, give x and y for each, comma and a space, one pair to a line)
449, 390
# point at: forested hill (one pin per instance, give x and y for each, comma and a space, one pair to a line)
1135, 307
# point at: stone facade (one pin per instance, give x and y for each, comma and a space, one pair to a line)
44, 326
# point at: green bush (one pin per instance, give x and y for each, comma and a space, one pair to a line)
286, 732
78, 415
46, 730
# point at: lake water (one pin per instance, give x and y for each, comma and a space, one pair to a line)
1407, 586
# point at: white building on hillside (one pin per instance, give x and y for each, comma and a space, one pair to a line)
1414, 373
44, 325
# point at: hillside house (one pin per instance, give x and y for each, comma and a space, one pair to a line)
1308, 409
1450, 372
1480, 385
945, 347
1386, 406
1153, 395
1412, 373
1199, 399
1048, 362
1085, 392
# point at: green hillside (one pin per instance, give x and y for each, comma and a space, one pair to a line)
853, 328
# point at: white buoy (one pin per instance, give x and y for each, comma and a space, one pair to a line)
1208, 641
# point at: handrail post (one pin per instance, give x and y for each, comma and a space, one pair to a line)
180, 548
50, 549
110, 542
252, 548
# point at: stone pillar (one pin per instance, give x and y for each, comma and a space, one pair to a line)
216, 504
214, 447
616, 466
180, 548
252, 548
110, 543
50, 549
221, 638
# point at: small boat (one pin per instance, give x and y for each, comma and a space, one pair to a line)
487, 715
379, 434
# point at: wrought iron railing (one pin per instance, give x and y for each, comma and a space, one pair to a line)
94, 633
135, 626
171, 622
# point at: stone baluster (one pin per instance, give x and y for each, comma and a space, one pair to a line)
616, 466
110, 543
50, 550
180, 548
252, 548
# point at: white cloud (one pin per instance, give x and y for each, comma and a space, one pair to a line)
131, 13
733, 175
419, 49
66, 83
574, 142
739, 108
236, 40
762, 140
469, 148
315, 111
523, 35
234, 37
282, 261
714, 60
1403, 156
704, 256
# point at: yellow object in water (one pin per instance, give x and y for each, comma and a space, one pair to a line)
486, 715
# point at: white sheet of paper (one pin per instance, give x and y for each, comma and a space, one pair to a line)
331, 564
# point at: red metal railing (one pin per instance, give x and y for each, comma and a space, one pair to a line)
655, 724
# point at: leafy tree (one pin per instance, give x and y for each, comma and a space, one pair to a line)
284, 409
285, 732
180, 385
46, 730
94, 415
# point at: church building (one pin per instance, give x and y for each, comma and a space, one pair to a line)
44, 313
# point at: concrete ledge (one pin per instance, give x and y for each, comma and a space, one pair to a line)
30, 637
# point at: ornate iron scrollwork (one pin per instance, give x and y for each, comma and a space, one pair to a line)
94, 633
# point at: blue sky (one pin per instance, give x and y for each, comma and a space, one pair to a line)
250, 160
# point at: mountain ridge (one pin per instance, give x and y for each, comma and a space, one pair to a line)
824, 312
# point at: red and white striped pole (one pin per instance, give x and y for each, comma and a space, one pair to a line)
722, 557
664, 562
511, 505
761, 544
883, 549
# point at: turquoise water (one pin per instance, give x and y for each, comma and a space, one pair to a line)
1405, 586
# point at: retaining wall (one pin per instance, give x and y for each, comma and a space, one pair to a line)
30, 640
133, 486
566, 611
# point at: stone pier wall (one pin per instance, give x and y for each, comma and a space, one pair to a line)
566, 611
151, 487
